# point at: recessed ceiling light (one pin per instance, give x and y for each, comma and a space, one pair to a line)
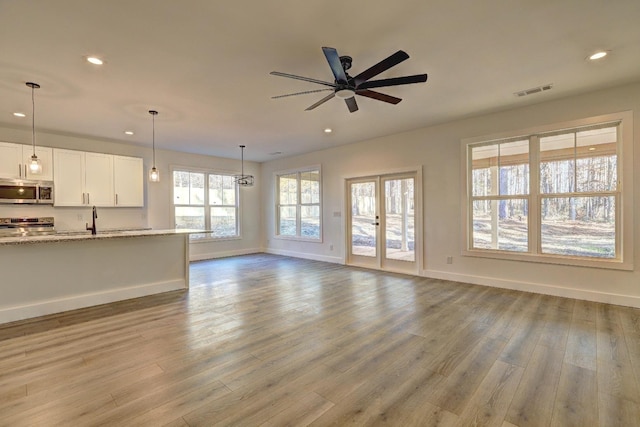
598, 55
20, 114
95, 60
128, 132
328, 130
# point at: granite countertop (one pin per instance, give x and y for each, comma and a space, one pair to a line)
86, 235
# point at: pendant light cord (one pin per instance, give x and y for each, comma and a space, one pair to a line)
33, 120
242, 160
154, 138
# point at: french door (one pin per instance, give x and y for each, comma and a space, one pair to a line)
381, 222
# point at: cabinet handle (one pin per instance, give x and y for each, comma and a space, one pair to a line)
25, 170
88, 199
19, 170
83, 199
116, 198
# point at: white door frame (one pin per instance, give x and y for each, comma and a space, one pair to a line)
379, 263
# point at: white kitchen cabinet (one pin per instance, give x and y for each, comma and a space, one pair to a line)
68, 178
83, 179
98, 175
128, 181
15, 160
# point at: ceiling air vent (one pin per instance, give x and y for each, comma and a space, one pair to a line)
533, 90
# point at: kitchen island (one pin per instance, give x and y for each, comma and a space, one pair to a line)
48, 274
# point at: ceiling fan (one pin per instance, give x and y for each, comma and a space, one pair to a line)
346, 87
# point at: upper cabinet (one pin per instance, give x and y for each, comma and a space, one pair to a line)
95, 179
15, 160
128, 181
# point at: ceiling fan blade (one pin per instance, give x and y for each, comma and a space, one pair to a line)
322, 101
305, 79
300, 93
352, 104
396, 81
334, 62
381, 66
379, 96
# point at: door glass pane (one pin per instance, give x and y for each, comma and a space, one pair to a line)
579, 226
223, 222
363, 219
500, 224
190, 217
399, 219
287, 226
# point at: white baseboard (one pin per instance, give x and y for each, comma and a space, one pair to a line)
314, 257
222, 254
42, 308
559, 291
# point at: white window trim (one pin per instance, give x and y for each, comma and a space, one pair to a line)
624, 220
277, 204
192, 169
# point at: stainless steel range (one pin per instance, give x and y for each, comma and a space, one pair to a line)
11, 227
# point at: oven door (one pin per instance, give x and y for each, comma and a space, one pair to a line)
18, 193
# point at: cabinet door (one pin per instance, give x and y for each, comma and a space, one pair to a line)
11, 160
45, 155
98, 175
68, 177
128, 181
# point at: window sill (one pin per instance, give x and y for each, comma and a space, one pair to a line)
213, 239
612, 264
298, 239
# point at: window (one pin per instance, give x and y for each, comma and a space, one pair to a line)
206, 201
298, 204
552, 195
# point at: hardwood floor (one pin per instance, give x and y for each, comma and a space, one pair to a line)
275, 341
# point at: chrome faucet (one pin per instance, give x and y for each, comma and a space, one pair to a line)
93, 224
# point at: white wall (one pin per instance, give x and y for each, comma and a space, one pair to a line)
157, 210
437, 150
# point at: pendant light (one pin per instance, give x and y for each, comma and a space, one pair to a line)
154, 175
34, 166
242, 179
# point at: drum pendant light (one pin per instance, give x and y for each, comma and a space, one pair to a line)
154, 175
35, 168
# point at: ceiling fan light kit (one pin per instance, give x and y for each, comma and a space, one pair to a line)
346, 87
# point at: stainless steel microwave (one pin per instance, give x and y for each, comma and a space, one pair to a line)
26, 192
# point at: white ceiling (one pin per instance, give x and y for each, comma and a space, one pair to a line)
204, 65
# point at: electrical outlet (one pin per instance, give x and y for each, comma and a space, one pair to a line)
449, 260
330, 247
79, 217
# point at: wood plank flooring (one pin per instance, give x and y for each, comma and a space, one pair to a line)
275, 341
